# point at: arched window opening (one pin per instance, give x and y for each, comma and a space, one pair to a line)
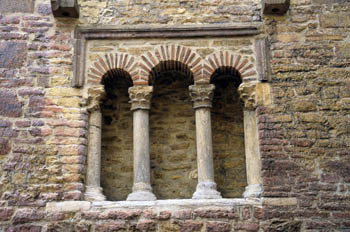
117, 137
172, 132
228, 133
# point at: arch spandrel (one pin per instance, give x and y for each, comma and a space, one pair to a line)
171, 53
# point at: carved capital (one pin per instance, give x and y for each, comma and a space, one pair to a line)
140, 97
95, 94
247, 94
202, 95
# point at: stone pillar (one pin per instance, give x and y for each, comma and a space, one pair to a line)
202, 96
93, 187
253, 163
140, 99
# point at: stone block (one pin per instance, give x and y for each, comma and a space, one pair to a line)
67, 206
263, 94
218, 227
9, 105
343, 51
65, 8
111, 226
335, 20
275, 7
23, 6
12, 54
4, 146
27, 215
280, 201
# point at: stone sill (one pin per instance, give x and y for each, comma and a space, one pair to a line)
176, 204
73, 206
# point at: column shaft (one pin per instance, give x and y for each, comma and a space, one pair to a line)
202, 97
140, 98
141, 147
204, 145
252, 155
93, 188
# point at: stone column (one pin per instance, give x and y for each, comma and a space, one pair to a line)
93, 187
202, 96
253, 163
140, 99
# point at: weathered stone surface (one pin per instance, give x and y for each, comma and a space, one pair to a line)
111, 226
10, 106
27, 215
218, 226
67, 206
22, 6
335, 20
13, 54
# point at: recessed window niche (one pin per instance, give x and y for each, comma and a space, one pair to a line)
117, 137
228, 133
172, 132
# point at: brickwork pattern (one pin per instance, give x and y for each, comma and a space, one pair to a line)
141, 68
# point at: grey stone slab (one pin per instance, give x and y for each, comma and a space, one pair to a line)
12, 54
23, 6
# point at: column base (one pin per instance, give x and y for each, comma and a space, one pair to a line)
206, 190
141, 192
252, 191
141, 196
93, 193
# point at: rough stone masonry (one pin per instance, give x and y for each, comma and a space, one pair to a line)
280, 115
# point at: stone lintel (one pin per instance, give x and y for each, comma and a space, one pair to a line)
140, 97
202, 95
275, 7
120, 32
68, 206
65, 8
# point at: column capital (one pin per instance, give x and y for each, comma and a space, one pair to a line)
95, 94
140, 97
247, 92
202, 95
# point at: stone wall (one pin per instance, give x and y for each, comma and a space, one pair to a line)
303, 135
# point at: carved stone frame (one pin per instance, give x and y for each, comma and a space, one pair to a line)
252, 92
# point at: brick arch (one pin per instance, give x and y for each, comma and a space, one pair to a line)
112, 62
171, 54
228, 59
